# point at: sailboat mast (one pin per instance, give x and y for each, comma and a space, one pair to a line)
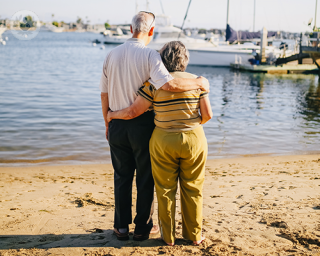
254, 15
147, 7
315, 17
185, 17
162, 7
227, 12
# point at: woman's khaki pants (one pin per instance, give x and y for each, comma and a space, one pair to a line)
179, 156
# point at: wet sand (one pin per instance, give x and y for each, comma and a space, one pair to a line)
252, 206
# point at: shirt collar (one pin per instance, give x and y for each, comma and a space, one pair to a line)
137, 40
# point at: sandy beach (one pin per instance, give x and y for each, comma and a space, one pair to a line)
252, 206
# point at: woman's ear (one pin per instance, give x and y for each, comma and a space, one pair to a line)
151, 32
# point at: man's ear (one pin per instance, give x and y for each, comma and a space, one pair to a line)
131, 29
151, 32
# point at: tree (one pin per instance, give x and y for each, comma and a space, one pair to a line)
27, 22
55, 23
79, 20
107, 25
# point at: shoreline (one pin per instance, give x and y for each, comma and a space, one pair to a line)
252, 206
67, 161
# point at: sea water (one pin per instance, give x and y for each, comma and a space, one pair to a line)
50, 110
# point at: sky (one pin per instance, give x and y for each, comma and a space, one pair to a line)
287, 15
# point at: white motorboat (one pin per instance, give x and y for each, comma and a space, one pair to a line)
54, 29
117, 35
224, 55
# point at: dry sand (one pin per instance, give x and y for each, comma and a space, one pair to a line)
252, 206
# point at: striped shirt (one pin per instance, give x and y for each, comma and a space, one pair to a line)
174, 111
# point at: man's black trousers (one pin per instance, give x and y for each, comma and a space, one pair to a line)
129, 146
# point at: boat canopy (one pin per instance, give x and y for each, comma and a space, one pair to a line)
232, 35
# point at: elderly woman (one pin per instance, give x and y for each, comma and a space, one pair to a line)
178, 146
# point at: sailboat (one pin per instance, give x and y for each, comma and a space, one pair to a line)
224, 55
165, 32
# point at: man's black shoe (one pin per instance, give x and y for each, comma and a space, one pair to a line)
121, 236
141, 237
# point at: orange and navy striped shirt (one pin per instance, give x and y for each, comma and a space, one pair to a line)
174, 111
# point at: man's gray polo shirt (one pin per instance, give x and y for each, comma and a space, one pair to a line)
125, 70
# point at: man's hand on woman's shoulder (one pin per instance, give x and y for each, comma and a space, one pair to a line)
205, 86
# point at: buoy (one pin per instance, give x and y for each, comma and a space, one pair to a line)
102, 47
4, 42
25, 36
94, 44
7, 38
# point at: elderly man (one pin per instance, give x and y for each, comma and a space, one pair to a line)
125, 69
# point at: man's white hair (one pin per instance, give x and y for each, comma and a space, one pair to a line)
141, 22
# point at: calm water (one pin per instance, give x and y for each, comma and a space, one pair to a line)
50, 105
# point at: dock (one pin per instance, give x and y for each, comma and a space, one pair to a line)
279, 69
306, 61
314, 52
313, 48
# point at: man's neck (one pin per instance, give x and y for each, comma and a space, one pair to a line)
141, 36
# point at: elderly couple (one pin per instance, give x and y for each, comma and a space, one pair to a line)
153, 126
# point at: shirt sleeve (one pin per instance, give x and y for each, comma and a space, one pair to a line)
203, 94
147, 91
159, 75
104, 79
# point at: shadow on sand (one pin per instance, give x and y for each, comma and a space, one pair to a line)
97, 238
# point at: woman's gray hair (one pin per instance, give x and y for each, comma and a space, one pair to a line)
175, 56
141, 22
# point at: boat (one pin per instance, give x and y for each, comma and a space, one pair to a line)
225, 54
165, 32
117, 35
54, 29
98, 28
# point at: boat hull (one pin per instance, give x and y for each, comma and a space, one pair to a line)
218, 58
55, 29
116, 39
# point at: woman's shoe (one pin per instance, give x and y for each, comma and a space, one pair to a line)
199, 242
155, 230
141, 237
170, 244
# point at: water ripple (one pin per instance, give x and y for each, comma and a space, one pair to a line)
50, 105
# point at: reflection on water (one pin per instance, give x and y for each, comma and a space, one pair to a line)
50, 105
261, 113
311, 102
